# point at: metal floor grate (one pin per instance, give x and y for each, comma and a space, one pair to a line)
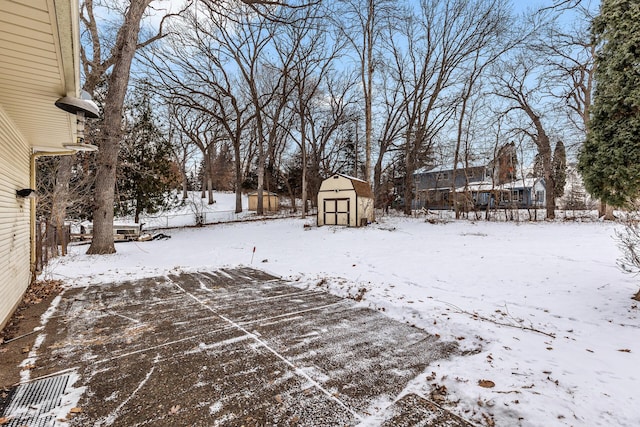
32, 403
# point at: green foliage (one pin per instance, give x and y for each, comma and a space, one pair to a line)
610, 158
146, 174
349, 154
559, 165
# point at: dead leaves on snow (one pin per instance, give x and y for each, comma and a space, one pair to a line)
486, 383
40, 290
438, 393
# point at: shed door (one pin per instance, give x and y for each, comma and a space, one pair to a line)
336, 211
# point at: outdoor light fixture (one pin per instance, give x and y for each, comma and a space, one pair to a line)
83, 108
26, 193
79, 106
80, 146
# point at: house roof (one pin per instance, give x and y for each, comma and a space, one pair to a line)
449, 168
39, 54
490, 186
479, 186
264, 193
523, 183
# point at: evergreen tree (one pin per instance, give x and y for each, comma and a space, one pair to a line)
348, 161
610, 158
146, 174
538, 170
559, 168
223, 172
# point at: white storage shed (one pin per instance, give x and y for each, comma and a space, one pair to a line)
344, 200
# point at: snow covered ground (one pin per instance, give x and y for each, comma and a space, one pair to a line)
540, 308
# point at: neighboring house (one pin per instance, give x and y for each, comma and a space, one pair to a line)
475, 188
433, 186
525, 193
518, 194
344, 200
39, 57
270, 201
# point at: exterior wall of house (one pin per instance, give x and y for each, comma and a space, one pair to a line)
15, 249
433, 187
538, 194
365, 210
270, 202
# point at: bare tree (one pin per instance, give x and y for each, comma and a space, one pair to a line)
312, 58
571, 63
514, 86
118, 65
328, 114
205, 134
428, 59
491, 44
191, 70
362, 23
389, 131
181, 148
548, 84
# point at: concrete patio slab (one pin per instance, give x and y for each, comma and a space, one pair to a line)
236, 347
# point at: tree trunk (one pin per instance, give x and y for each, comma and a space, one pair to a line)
369, 90
260, 172
111, 130
185, 185
238, 168
60, 198
549, 197
210, 174
380, 200
408, 179
605, 212
544, 149
304, 183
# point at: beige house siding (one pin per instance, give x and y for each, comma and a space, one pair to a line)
39, 63
344, 201
14, 217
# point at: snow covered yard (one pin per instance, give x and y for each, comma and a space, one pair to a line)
541, 308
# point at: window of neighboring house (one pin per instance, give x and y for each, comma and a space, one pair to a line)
517, 196
539, 196
442, 176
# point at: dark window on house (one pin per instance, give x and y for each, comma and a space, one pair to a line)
517, 195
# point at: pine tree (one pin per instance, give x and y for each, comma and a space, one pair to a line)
610, 158
559, 165
146, 173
